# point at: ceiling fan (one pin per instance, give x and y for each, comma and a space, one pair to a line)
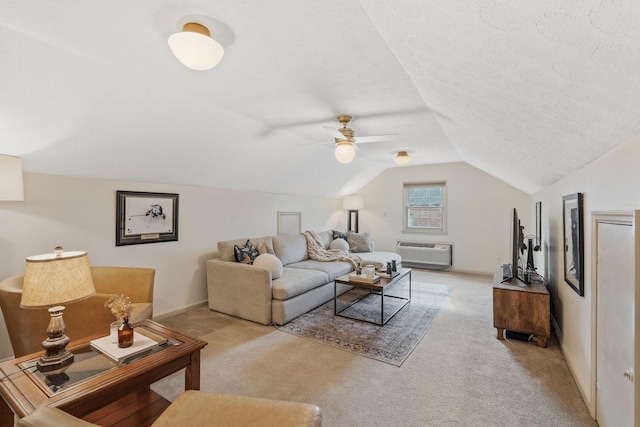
346, 142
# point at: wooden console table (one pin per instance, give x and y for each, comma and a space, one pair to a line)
95, 388
519, 307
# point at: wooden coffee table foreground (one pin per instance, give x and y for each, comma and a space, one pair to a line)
96, 385
377, 289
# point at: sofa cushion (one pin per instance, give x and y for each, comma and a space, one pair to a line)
290, 248
333, 269
359, 242
225, 248
265, 248
246, 253
296, 281
271, 262
339, 244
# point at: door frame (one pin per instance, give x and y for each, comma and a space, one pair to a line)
630, 217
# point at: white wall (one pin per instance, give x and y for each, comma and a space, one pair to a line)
79, 214
479, 213
609, 183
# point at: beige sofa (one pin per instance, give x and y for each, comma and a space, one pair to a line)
83, 319
249, 292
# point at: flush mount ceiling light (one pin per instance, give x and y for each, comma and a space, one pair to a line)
345, 151
402, 158
194, 47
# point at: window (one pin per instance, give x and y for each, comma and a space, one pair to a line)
425, 208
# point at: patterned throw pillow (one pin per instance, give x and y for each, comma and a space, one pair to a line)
359, 242
339, 235
245, 254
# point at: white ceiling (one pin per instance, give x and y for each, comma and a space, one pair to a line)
526, 91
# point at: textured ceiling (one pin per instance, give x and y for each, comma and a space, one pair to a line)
526, 91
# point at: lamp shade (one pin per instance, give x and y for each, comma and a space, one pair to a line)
11, 185
194, 47
402, 158
345, 152
55, 279
353, 203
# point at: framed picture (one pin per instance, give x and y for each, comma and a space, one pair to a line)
572, 226
146, 217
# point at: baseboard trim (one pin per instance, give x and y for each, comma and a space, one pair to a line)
584, 389
184, 309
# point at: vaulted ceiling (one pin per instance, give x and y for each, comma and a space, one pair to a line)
525, 91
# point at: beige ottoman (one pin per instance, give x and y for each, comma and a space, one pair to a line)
198, 408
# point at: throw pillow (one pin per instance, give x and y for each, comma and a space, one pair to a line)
339, 235
359, 242
271, 262
340, 244
246, 253
264, 248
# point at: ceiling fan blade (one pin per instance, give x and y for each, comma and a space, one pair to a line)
333, 131
376, 138
315, 143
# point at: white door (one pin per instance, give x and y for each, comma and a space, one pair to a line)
615, 325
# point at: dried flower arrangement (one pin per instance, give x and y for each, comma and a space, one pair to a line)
120, 306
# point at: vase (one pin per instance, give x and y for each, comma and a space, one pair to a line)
125, 334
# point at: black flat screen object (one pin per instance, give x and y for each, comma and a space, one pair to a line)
517, 240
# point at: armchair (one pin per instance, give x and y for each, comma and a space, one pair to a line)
85, 318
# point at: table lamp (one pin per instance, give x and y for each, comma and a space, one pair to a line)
51, 280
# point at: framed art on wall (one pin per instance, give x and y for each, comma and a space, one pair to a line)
289, 222
143, 217
572, 226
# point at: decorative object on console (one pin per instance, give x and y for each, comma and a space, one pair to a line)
49, 281
11, 185
195, 48
352, 204
143, 217
402, 158
572, 225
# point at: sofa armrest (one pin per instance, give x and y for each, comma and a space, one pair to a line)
241, 290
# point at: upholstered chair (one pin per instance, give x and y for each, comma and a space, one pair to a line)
27, 328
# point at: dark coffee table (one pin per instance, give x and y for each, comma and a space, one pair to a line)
375, 290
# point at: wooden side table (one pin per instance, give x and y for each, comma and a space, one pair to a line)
522, 308
93, 381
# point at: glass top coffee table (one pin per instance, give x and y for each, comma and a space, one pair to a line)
375, 298
94, 380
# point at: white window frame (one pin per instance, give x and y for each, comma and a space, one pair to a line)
405, 208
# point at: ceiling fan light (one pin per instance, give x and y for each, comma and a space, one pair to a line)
194, 47
345, 152
402, 158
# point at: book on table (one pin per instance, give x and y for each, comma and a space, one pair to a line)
141, 345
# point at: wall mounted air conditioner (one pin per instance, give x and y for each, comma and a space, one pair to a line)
424, 253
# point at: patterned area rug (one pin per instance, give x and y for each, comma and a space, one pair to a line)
391, 343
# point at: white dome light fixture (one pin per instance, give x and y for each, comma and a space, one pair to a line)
402, 158
194, 47
345, 152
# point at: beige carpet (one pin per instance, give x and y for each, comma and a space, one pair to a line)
391, 343
458, 375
